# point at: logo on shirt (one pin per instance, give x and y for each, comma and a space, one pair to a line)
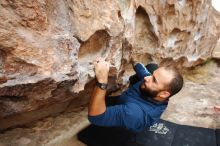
159, 128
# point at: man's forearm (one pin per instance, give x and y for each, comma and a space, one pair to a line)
97, 104
97, 101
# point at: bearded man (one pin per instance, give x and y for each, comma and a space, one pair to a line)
141, 104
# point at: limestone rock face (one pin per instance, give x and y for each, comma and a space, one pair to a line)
47, 47
198, 102
216, 51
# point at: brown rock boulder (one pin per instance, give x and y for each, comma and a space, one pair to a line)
46, 47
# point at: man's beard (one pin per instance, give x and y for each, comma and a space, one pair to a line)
147, 92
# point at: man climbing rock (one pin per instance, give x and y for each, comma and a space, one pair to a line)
117, 120
138, 107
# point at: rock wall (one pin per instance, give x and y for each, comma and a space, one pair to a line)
46, 47
198, 103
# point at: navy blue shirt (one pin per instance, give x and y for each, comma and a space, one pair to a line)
135, 111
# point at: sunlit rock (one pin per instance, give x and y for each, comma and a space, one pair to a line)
47, 47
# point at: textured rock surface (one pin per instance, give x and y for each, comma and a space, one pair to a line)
195, 104
216, 51
46, 47
52, 131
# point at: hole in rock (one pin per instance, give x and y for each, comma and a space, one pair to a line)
171, 9
12, 98
94, 47
145, 32
175, 31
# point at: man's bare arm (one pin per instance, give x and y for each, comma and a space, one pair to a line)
97, 104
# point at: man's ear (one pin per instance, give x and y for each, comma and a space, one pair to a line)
164, 94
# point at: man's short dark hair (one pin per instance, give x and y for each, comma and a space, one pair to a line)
176, 83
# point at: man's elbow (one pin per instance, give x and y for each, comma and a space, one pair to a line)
97, 119
91, 119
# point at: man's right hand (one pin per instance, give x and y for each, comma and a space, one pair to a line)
101, 70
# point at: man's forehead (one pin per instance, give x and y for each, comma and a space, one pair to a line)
163, 75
